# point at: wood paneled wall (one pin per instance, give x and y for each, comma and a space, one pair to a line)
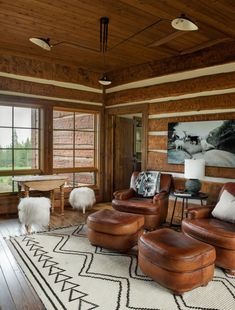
160, 114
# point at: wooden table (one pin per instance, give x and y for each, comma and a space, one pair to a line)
43, 183
185, 197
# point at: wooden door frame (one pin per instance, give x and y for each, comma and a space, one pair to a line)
110, 115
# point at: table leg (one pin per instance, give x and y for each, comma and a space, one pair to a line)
182, 211
201, 202
62, 199
52, 196
26, 191
173, 212
186, 207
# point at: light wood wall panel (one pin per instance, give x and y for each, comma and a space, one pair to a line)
157, 142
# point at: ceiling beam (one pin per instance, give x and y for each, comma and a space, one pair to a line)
204, 45
166, 39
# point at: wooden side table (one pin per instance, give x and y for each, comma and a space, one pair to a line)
185, 198
43, 183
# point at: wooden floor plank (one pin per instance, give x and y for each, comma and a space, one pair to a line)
6, 301
15, 290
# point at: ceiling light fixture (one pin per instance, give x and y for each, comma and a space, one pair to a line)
183, 23
104, 22
43, 43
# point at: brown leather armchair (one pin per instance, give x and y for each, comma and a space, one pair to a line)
201, 225
154, 209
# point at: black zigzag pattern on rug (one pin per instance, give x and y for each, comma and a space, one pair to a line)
88, 256
59, 273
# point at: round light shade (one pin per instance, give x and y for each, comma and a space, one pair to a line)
43, 43
105, 81
184, 24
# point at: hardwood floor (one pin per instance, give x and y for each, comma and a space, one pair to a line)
15, 290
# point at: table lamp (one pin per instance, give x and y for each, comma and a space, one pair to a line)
194, 170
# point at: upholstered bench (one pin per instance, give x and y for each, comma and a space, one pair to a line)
114, 230
176, 261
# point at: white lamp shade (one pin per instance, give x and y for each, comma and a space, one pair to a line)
105, 81
43, 43
194, 169
184, 24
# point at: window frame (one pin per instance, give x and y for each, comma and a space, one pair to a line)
12, 172
90, 169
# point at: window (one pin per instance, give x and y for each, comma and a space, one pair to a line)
19, 144
75, 153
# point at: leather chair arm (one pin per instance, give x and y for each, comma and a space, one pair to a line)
159, 196
124, 194
199, 213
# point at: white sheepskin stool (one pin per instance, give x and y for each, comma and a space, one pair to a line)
82, 198
34, 210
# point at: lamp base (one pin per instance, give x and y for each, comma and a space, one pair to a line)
193, 186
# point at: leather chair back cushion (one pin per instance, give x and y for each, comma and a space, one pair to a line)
165, 181
230, 187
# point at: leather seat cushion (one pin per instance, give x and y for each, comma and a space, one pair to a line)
213, 231
114, 222
174, 251
138, 206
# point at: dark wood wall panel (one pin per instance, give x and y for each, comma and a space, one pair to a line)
162, 124
224, 101
222, 53
50, 70
15, 85
195, 85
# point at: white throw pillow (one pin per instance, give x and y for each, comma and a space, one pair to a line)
225, 208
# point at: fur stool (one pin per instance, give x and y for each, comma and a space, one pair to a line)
34, 210
82, 198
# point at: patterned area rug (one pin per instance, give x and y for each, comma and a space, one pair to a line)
68, 273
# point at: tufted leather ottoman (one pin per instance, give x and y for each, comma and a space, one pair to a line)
114, 230
176, 261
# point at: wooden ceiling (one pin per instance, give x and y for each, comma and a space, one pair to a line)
139, 31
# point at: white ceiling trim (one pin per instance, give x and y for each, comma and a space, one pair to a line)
12, 93
190, 113
51, 82
157, 133
158, 151
209, 179
173, 98
225, 68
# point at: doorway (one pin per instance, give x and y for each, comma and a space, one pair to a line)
127, 148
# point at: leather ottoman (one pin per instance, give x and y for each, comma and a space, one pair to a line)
176, 261
114, 230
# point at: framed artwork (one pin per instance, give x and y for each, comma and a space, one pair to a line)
213, 141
